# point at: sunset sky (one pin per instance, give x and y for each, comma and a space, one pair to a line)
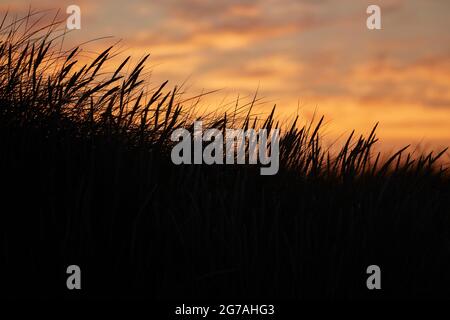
306, 55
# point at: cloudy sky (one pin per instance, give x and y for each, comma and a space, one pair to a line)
303, 55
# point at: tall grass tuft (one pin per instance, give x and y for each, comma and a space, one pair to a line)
87, 176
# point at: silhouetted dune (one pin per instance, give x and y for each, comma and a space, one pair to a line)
88, 180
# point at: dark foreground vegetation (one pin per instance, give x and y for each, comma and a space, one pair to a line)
87, 179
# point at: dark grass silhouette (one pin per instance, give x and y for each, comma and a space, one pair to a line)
87, 179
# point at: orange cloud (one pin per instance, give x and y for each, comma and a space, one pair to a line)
312, 53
